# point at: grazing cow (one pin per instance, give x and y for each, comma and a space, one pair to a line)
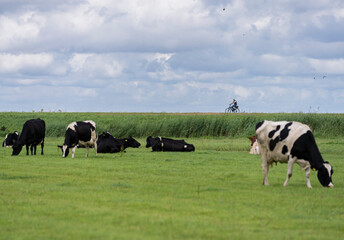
106, 143
10, 139
81, 133
168, 145
33, 134
290, 142
254, 145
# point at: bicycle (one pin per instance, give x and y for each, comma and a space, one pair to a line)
231, 109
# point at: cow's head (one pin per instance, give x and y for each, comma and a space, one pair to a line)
16, 148
10, 139
132, 142
189, 147
65, 150
252, 139
149, 142
325, 175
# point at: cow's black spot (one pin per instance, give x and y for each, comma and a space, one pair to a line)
284, 149
283, 135
273, 143
285, 132
305, 148
259, 125
272, 133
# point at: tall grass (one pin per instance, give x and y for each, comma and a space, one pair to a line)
173, 124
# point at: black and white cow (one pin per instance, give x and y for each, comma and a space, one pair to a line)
80, 133
291, 142
161, 144
33, 134
10, 139
106, 143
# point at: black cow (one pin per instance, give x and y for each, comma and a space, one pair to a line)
106, 143
10, 139
81, 133
291, 142
33, 134
160, 144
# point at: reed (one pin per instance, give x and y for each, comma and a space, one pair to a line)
174, 124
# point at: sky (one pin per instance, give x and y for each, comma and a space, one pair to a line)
172, 55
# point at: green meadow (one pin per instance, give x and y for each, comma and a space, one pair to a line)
215, 192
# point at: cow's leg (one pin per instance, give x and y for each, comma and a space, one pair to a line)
87, 147
265, 168
27, 149
308, 173
95, 147
290, 170
304, 165
73, 151
42, 146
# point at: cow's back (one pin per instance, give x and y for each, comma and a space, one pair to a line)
276, 139
106, 143
33, 130
84, 130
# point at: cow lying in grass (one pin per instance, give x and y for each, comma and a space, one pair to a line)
160, 144
108, 144
254, 145
291, 142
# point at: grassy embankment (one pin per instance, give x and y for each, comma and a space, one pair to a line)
212, 193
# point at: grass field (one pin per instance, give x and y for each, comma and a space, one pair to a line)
215, 192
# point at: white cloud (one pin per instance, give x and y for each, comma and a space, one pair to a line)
78, 60
96, 65
81, 19
21, 28
328, 66
14, 63
242, 92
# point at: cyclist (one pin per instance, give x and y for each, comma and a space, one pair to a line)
233, 105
